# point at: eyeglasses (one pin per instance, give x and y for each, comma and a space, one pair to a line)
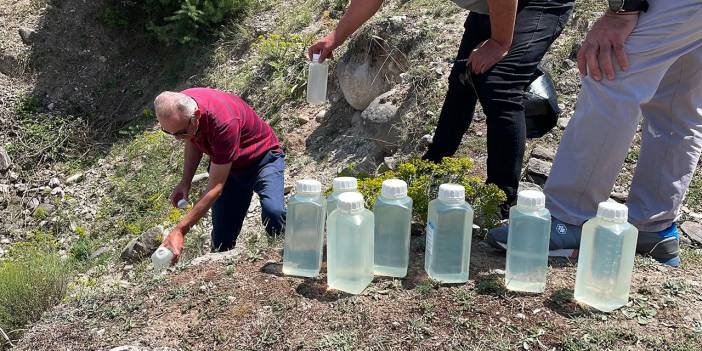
180, 132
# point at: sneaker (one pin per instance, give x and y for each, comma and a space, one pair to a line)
565, 238
663, 246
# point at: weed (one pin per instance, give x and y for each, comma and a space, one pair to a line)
345, 340
640, 309
465, 299
491, 284
426, 286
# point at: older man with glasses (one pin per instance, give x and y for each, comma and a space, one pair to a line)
245, 156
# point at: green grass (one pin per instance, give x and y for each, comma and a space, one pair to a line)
31, 281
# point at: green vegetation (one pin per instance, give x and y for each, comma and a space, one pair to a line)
423, 179
174, 21
32, 280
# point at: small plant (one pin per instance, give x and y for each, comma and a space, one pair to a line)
426, 286
82, 250
676, 286
465, 299
40, 213
423, 179
640, 309
491, 284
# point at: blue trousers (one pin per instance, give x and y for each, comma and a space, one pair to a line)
265, 177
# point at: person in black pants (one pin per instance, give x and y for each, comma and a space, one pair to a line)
500, 90
496, 61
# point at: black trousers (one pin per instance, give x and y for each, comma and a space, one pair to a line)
500, 90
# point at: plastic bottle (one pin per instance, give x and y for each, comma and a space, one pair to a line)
449, 229
340, 186
304, 231
161, 258
393, 218
317, 81
182, 203
527, 243
350, 245
606, 258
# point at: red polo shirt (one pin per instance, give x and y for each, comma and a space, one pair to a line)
229, 129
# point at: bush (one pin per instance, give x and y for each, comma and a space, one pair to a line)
423, 179
31, 281
173, 21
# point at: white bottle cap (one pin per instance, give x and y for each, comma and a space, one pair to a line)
315, 57
345, 184
612, 211
533, 199
452, 192
309, 186
182, 203
350, 201
163, 252
394, 189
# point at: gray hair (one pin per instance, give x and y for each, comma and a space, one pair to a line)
169, 102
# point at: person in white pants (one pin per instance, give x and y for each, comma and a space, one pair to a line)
634, 64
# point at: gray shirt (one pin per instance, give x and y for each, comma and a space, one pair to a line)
479, 6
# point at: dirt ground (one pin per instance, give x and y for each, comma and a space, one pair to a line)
244, 304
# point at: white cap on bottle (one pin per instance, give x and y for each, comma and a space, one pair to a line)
452, 192
532, 199
350, 201
182, 203
613, 211
345, 183
309, 186
315, 57
394, 188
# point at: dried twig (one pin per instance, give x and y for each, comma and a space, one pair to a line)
6, 337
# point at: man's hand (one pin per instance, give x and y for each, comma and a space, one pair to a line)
174, 242
324, 47
607, 34
486, 55
180, 192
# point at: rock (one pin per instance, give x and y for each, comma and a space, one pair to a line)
563, 122
143, 245
379, 120
320, 115
13, 176
537, 171
75, 178
427, 139
5, 161
27, 34
543, 153
215, 257
54, 182
4, 189
99, 252
693, 230
528, 186
695, 215
51, 106
390, 162
619, 196
200, 177
57, 191
303, 119
33, 204
130, 348
102, 59
288, 189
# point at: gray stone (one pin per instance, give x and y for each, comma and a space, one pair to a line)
620, 196
693, 230
27, 34
57, 191
390, 162
5, 161
378, 121
563, 122
537, 171
427, 139
528, 186
54, 182
320, 115
364, 75
143, 245
303, 119
200, 177
543, 153
75, 178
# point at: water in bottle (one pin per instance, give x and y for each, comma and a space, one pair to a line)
393, 217
350, 245
527, 243
340, 186
449, 229
606, 258
317, 81
304, 230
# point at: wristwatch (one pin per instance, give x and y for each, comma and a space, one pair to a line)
619, 6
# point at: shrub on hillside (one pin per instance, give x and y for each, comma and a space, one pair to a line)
32, 280
173, 21
423, 179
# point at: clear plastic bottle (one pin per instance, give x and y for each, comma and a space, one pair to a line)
393, 218
350, 245
340, 186
161, 258
449, 229
606, 258
527, 243
304, 230
317, 81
